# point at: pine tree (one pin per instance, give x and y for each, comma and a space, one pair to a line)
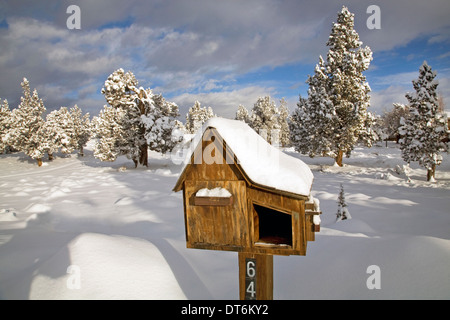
108, 128
55, 130
424, 129
297, 129
125, 134
338, 95
242, 114
264, 119
379, 128
197, 116
66, 131
342, 213
161, 126
27, 124
391, 121
283, 123
81, 128
5, 125
139, 119
347, 86
314, 120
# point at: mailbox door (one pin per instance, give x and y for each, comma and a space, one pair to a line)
221, 225
288, 214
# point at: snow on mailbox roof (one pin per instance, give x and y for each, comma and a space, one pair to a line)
264, 164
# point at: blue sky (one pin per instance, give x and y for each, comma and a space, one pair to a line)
222, 53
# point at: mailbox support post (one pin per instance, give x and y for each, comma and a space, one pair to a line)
255, 276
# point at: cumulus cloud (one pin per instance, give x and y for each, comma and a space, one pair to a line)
383, 100
224, 103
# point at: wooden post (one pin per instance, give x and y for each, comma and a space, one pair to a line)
255, 276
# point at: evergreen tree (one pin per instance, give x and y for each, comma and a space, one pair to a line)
391, 121
108, 128
131, 127
424, 129
296, 128
342, 213
66, 131
283, 123
378, 127
335, 116
315, 118
347, 86
81, 128
5, 125
55, 130
242, 114
197, 116
26, 132
125, 134
264, 119
161, 126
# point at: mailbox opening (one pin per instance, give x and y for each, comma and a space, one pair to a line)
272, 226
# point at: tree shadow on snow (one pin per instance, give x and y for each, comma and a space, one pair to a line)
24, 258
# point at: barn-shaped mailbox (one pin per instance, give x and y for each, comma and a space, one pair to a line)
242, 194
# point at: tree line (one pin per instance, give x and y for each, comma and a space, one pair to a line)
25, 129
330, 121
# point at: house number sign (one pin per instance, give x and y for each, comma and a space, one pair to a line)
250, 279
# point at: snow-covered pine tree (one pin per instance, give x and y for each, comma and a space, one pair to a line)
296, 128
81, 128
337, 116
131, 127
264, 119
162, 128
242, 114
65, 130
124, 130
342, 212
55, 130
26, 133
5, 125
197, 116
283, 123
379, 128
108, 128
313, 122
347, 86
424, 129
391, 121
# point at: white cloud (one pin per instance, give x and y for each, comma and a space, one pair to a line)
398, 79
224, 103
382, 100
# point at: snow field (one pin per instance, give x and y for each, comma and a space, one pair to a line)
122, 229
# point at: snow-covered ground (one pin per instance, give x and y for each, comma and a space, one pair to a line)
78, 228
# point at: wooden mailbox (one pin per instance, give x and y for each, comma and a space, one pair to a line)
242, 194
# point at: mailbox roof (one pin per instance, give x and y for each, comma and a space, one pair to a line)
263, 164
